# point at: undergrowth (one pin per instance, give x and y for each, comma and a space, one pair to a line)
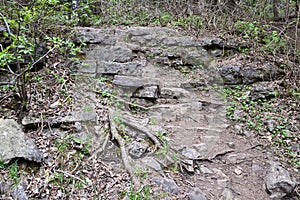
273, 120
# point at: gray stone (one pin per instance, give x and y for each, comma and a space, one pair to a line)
128, 81
19, 193
15, 144
2, 187
55, 105
89, 36
153, 164
197, 195
205, 170
202, 149
113, 54
264, 73
217, 43
193, 84
77, 116
174, 93
80, 116
148, 92
278, 182
137, 149
115, 68
261, 92
252, 75
227, 194
231, 75
190, 153
236, 158
168, 185
270, 125
210, 139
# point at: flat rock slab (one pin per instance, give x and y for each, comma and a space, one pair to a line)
15, 144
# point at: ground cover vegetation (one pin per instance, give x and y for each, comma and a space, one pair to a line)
37, 51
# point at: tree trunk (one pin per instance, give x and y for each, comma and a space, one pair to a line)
275, 11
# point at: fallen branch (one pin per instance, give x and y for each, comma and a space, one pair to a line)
72, 176
120, 140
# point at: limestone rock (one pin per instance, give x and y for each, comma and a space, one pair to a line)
264, 73
148, 92
279, 182
2, 187
115, 68
227, 194
168, 185
128, 81
152, 163
261, 92
19, 193
197, 195
15, 144
137, 149
231, 75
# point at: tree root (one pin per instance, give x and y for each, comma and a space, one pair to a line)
120, 140
101, 149
144, 130
158, 144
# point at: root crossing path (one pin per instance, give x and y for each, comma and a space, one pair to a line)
160, 92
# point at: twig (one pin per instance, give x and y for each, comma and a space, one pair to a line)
70, 175
120, 140
6, 24
13, 82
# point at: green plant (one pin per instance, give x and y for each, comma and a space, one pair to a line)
258, 33
13, 171
153, 121
144, 194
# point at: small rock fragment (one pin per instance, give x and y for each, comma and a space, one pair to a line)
55, 105
137, 149
2, 187
238, 171
153, 164
168, 185
190, 153
227, 194
279, 182
19, 193
197, 195
270, 125
231, 75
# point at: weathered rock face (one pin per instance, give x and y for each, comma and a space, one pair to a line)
15, 144
172, 74
168, 185
261, 92
279, 182
231, 75
234, 75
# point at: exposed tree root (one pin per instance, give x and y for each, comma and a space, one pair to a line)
120, 140
144, 130
101, 149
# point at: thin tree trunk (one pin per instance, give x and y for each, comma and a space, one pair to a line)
275, 11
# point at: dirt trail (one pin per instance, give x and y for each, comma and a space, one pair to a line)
160, 82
